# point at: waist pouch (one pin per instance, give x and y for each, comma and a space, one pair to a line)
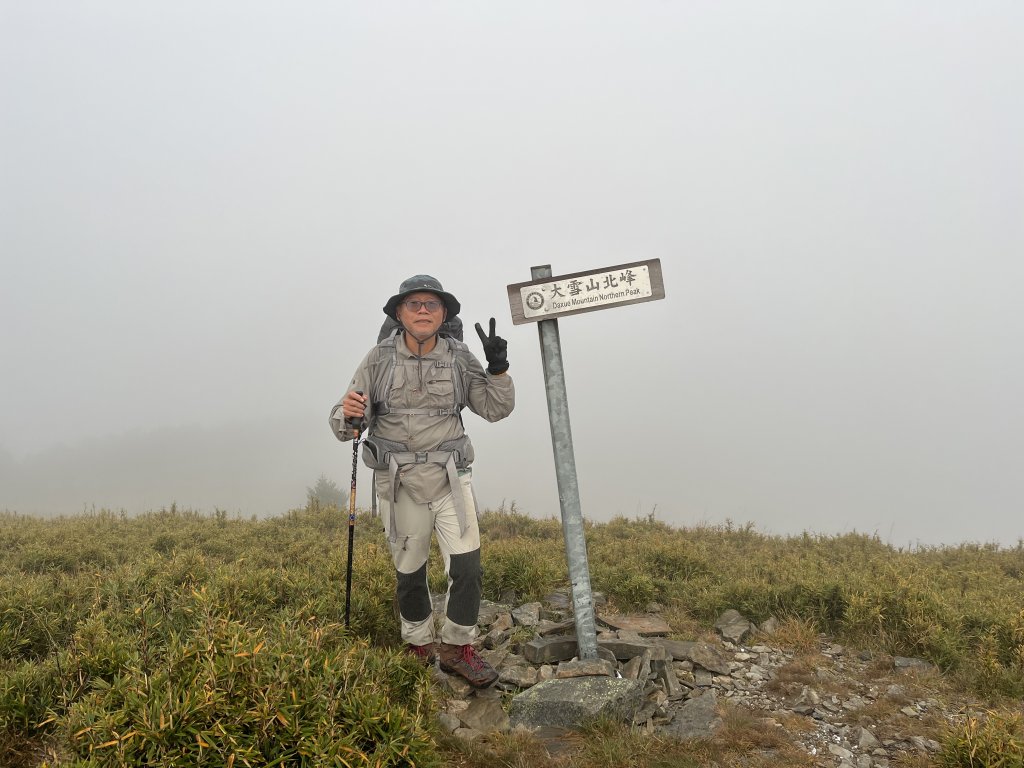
382, 454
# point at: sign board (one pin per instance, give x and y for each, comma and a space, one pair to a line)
552, 297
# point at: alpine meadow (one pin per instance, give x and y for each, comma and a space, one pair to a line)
176, 638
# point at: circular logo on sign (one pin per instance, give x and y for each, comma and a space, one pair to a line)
534, 300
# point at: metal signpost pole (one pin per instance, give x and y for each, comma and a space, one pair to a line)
568, 487
542, 300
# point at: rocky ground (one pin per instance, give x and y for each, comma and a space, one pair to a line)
835, 706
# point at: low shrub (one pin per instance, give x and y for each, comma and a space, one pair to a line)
985, 741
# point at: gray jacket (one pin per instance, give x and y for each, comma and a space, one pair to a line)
395, 379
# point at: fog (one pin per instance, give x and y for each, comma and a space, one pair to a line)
204, 207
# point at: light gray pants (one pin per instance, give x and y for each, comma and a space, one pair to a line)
461, 554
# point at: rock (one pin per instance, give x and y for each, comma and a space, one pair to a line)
558, 601
866, 740
678, 686
685, 676
623, 649
527, 615
840, 752
557, 741
831, 707
454, 684
485, 716
697, 719
629, 635
702, 678
638, 668
488, 612
520, 676
769, 626
642, 625
909, 664
543, 650
809, 696
646, 712
678, 649
496, 638
732, 626
567, 703
496, 657
584, 667
896, 693
545, 628
711, 658
449, 722
502, 622
663, 670
455, 706
925, 745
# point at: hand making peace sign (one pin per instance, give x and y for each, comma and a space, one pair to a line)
495, 350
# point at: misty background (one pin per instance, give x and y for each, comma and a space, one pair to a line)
204, 207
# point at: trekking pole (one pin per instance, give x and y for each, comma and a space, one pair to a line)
354, 423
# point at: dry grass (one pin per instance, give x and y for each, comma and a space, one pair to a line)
512, 750
746, 733
917, 760
799, 635
804, 670
747, 741
682, 622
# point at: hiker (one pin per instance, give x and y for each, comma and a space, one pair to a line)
415, 383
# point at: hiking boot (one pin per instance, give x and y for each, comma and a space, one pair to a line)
463, 660
424, 653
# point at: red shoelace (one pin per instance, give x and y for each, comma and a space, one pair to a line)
471, 657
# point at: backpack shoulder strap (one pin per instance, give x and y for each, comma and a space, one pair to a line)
382, 369
460, 372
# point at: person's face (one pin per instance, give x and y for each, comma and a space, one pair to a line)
422, 322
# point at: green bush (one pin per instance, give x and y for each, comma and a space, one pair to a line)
294, 694
528, 572
985, 742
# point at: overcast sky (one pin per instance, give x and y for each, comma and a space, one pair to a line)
204, 207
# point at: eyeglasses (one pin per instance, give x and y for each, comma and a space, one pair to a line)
432, 305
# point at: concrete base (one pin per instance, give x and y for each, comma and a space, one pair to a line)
574, 701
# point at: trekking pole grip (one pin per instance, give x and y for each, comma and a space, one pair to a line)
354, 422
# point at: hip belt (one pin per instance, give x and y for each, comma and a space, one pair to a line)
379, 453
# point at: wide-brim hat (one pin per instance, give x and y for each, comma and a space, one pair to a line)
418, 283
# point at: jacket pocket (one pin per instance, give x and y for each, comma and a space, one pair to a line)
440, 386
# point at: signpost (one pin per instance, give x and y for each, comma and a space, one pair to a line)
543, 300
547, 297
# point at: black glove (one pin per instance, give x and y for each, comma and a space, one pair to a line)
495, 350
